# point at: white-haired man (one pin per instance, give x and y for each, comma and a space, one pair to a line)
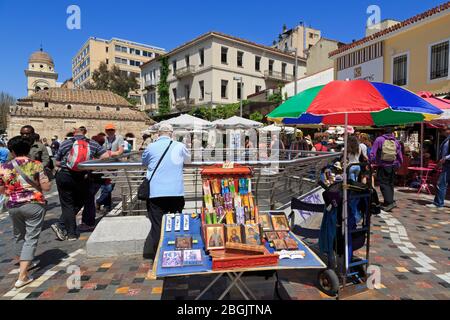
164, 160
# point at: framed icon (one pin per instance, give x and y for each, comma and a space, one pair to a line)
233, 233
280, 222
252, 234
265, 221
214, 237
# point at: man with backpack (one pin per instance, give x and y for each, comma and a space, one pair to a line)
444, 178
386, 155
72, 182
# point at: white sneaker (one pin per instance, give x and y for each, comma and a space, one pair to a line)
19, 283
433, 206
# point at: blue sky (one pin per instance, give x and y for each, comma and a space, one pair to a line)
167, 24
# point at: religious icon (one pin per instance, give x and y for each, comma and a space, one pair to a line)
252, 234
215, 236
280, 222
234, 233
264, 220
172, 259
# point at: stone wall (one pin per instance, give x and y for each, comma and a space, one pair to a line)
48, 127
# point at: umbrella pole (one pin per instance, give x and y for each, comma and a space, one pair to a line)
421, 146
345, 200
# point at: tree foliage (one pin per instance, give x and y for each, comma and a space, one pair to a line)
163, 87
256, 116
6, 101
224, 111
113, 79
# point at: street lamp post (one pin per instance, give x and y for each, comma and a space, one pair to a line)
296, 68
240, 84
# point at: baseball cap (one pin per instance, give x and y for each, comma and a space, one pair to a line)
110, 126
165, 127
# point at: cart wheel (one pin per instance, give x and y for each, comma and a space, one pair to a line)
328, 282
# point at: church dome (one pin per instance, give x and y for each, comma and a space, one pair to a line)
41, 57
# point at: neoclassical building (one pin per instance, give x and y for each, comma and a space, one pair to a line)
40, 73
52, 110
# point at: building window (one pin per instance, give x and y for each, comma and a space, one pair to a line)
174, 92
69, 107
271, 62
202, 56
121, 60
439, 60
400, 72
239, 90
187, 91
107, 61
107, 49
174, 66
45, 104
257, 63
283, 70
240, 59
117, 108
187, 60
224, 55
201, 85
257, 89
224, 89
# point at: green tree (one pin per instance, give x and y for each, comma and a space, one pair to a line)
256, 116
163, 87
115, 80
6, 101
223, 111
277, 96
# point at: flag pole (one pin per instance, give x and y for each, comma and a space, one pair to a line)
345, 200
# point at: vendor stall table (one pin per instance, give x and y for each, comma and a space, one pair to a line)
310, 261
424, 185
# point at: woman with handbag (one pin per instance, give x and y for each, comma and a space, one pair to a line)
24, 180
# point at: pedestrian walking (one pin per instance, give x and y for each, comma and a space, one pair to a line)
55, 145
38, 151
164, 160
72, 182
387, 156
24, 180
95, 181
114, 145
444, 177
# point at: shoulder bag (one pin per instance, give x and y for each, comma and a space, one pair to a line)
144, 189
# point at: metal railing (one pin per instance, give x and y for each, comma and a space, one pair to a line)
184, 72
273, 185
276, 75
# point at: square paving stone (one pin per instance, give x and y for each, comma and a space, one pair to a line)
102, 269
401, 277
100, 287
34, 295
139, 280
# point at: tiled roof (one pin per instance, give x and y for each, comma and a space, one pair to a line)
79, 114
232, 38
77, 96
416, 19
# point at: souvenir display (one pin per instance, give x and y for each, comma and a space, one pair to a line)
291, 244
233, 233
280, 222
284, 254
279, 244
265, 221
252, 234
244, 248
172, 259
169, 223
177, 222
214, 237
183, 243
271, 236
192, 257
186, 222
282, 234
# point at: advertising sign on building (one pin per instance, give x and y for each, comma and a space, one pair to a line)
371, 70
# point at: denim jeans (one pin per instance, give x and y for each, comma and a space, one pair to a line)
354, 173
106, 196
442, 186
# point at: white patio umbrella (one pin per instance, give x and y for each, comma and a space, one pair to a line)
236, 122
275, 128
190, 123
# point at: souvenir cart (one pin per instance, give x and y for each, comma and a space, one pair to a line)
230, 237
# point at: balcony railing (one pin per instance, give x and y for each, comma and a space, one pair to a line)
150, 84
184, 104
279, 76
150, 107
185, 72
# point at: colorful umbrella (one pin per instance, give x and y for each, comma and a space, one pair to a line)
357, 103
366, 104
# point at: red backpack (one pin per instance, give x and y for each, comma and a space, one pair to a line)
79, 153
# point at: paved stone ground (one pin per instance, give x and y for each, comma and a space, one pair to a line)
410, 245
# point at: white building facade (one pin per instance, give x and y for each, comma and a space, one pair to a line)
204, 71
